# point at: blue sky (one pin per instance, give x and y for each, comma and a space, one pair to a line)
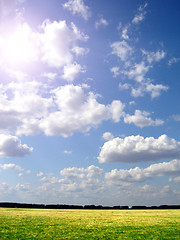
89, 102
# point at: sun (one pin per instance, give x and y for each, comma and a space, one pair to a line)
18, 47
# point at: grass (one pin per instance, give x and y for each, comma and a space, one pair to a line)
89, 224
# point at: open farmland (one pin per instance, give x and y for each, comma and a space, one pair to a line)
89, 224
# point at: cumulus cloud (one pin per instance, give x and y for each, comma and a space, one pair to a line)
60, 111
57, 41
10, 146
107, 136
77, 7
116, 109
139, 149
141, 174
115, 70
101, 22
138, 71
11, 166
20, 116
124, 86
141, 119
154, 56
121, 49
71, 71
81, 173
78, 111
79, 51
154, 90
56, 44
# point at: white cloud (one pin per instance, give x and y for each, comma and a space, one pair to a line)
78, 111
173, 60
101, 22
124, 34
121, 49
107, 136
139, 17
72, 70
176, 117
78, 7
81, 173
155, 90
141, 174
141, 119
49, 75
154, 56
19, 46
116, 109
67, 152
10, 146
115, 70
60, 111
138, 71
124, 86
22, 187
176, 179
79, 51
139, 149
40, 174
57, 41
20, 116
56, 45
11, 166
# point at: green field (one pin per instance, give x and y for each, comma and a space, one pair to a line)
89, 224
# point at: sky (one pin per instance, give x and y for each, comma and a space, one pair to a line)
89, 102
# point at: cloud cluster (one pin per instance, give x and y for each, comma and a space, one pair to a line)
10, 146
81, 173
107, 136
74, 106
141, 174
57, 45
121, 49
77, 7
132, 69
86, 183
139, 17
101, 22
133, 149
66, 109
141, 119
11, 166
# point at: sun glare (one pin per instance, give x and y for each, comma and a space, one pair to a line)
18, 47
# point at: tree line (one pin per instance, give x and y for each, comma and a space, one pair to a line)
64, 206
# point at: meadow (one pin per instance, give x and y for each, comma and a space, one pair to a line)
89, 224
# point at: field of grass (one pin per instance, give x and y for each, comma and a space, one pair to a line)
89, 224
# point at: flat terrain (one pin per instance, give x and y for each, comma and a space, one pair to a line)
89, 224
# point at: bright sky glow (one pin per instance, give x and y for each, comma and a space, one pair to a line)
17, 47
89, 102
